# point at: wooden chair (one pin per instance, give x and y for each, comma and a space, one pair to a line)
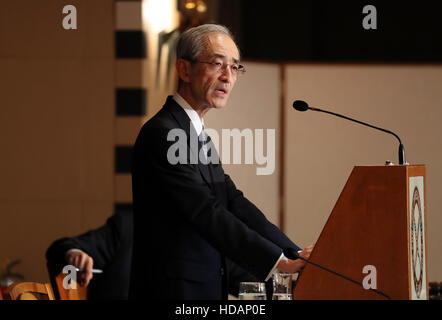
29, 291
56, 276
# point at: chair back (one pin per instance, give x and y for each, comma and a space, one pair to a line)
29, 291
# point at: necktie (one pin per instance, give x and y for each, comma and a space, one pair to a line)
203, 139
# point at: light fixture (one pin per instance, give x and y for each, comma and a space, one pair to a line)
201, 6
157, 14
190, 4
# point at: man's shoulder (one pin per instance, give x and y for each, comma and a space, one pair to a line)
155, 131
164, 118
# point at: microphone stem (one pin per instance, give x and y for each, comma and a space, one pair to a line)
341, 275
401, 147
326, 269
360, 122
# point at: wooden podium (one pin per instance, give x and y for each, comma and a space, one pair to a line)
379, 220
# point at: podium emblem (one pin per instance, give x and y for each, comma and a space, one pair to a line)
417, 243
417, 239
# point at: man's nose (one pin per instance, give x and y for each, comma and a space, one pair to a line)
226, 74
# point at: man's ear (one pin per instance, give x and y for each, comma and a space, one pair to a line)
183, 69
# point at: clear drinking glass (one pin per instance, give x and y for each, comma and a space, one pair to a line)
252, 291
282, 286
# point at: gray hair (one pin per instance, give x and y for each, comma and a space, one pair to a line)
191, 45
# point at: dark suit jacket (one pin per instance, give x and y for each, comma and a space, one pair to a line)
189, 217
111, 248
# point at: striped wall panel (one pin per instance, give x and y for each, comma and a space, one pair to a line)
130, 96
130, 44
131, 101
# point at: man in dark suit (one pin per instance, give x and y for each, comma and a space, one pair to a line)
189, 217
108, 248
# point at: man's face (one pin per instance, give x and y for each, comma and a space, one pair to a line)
211, 88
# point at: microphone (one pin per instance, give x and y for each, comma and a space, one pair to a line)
303, 106
292, 254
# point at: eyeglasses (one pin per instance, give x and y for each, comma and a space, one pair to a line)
235, 68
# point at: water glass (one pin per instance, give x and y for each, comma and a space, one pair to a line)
282, 286
252, 291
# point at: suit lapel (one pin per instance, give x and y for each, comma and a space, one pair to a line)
185, 123
213, 174
217, 175
204, 169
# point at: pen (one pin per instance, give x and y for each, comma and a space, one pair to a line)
93, 270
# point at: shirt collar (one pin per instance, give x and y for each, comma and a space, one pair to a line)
193, 115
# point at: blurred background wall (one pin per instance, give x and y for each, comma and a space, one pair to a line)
72, 102
57, 126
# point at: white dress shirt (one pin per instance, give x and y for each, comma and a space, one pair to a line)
193, 115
